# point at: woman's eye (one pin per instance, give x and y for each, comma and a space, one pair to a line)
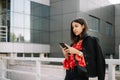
76, 26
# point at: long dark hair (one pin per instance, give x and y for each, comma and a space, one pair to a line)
75, 38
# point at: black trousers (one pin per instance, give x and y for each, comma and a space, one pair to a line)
72, 74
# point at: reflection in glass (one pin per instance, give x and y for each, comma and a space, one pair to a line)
36, 37
30, 22
4, 20
40, 23
27, 35
18, 20
17, 35
35, 22
27, 7
45, 24
18, 6
27, 21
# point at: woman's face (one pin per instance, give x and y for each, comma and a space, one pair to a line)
77, 28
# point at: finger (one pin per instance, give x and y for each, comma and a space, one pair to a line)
63, 49
67, 50
67, 45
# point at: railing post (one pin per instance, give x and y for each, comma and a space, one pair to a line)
111, 71
38, 69
3, 67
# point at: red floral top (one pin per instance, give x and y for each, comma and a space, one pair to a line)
70, 62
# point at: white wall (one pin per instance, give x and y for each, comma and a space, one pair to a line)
24, 48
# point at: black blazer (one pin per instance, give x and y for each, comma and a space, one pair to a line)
94, 58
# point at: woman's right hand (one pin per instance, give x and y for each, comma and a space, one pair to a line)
65, 53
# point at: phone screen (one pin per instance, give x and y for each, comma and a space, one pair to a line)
63, 45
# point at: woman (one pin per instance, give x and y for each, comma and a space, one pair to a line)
86, 50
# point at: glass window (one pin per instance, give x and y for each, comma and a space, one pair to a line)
46, 55
18, 20
18, 6
45, 11
109, 29
27, 21
27, 6
4, 20
36, 23
27, 54
17, 35
40, 23
45, 37
12, 35
27, 35
45, 24
19, 54
35, 36
36, 55
36, 9
2, 39
94, 23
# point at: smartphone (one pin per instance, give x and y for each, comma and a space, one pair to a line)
63, 45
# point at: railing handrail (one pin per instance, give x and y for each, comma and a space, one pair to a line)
18, 71
112, 61
34, 59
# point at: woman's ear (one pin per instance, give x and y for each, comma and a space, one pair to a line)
83, 26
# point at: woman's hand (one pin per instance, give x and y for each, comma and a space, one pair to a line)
73, 50
64, 52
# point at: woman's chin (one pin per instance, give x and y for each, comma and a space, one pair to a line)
76, 34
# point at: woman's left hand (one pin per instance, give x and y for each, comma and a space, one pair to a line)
71, 50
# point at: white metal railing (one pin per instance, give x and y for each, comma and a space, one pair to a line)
111, 66
4, 78
38, 65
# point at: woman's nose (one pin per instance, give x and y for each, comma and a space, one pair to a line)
74, 29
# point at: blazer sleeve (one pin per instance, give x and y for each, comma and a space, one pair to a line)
100, 60
90, 56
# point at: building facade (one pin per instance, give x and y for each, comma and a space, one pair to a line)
24, 27
100, 17
117, 28
34, 23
